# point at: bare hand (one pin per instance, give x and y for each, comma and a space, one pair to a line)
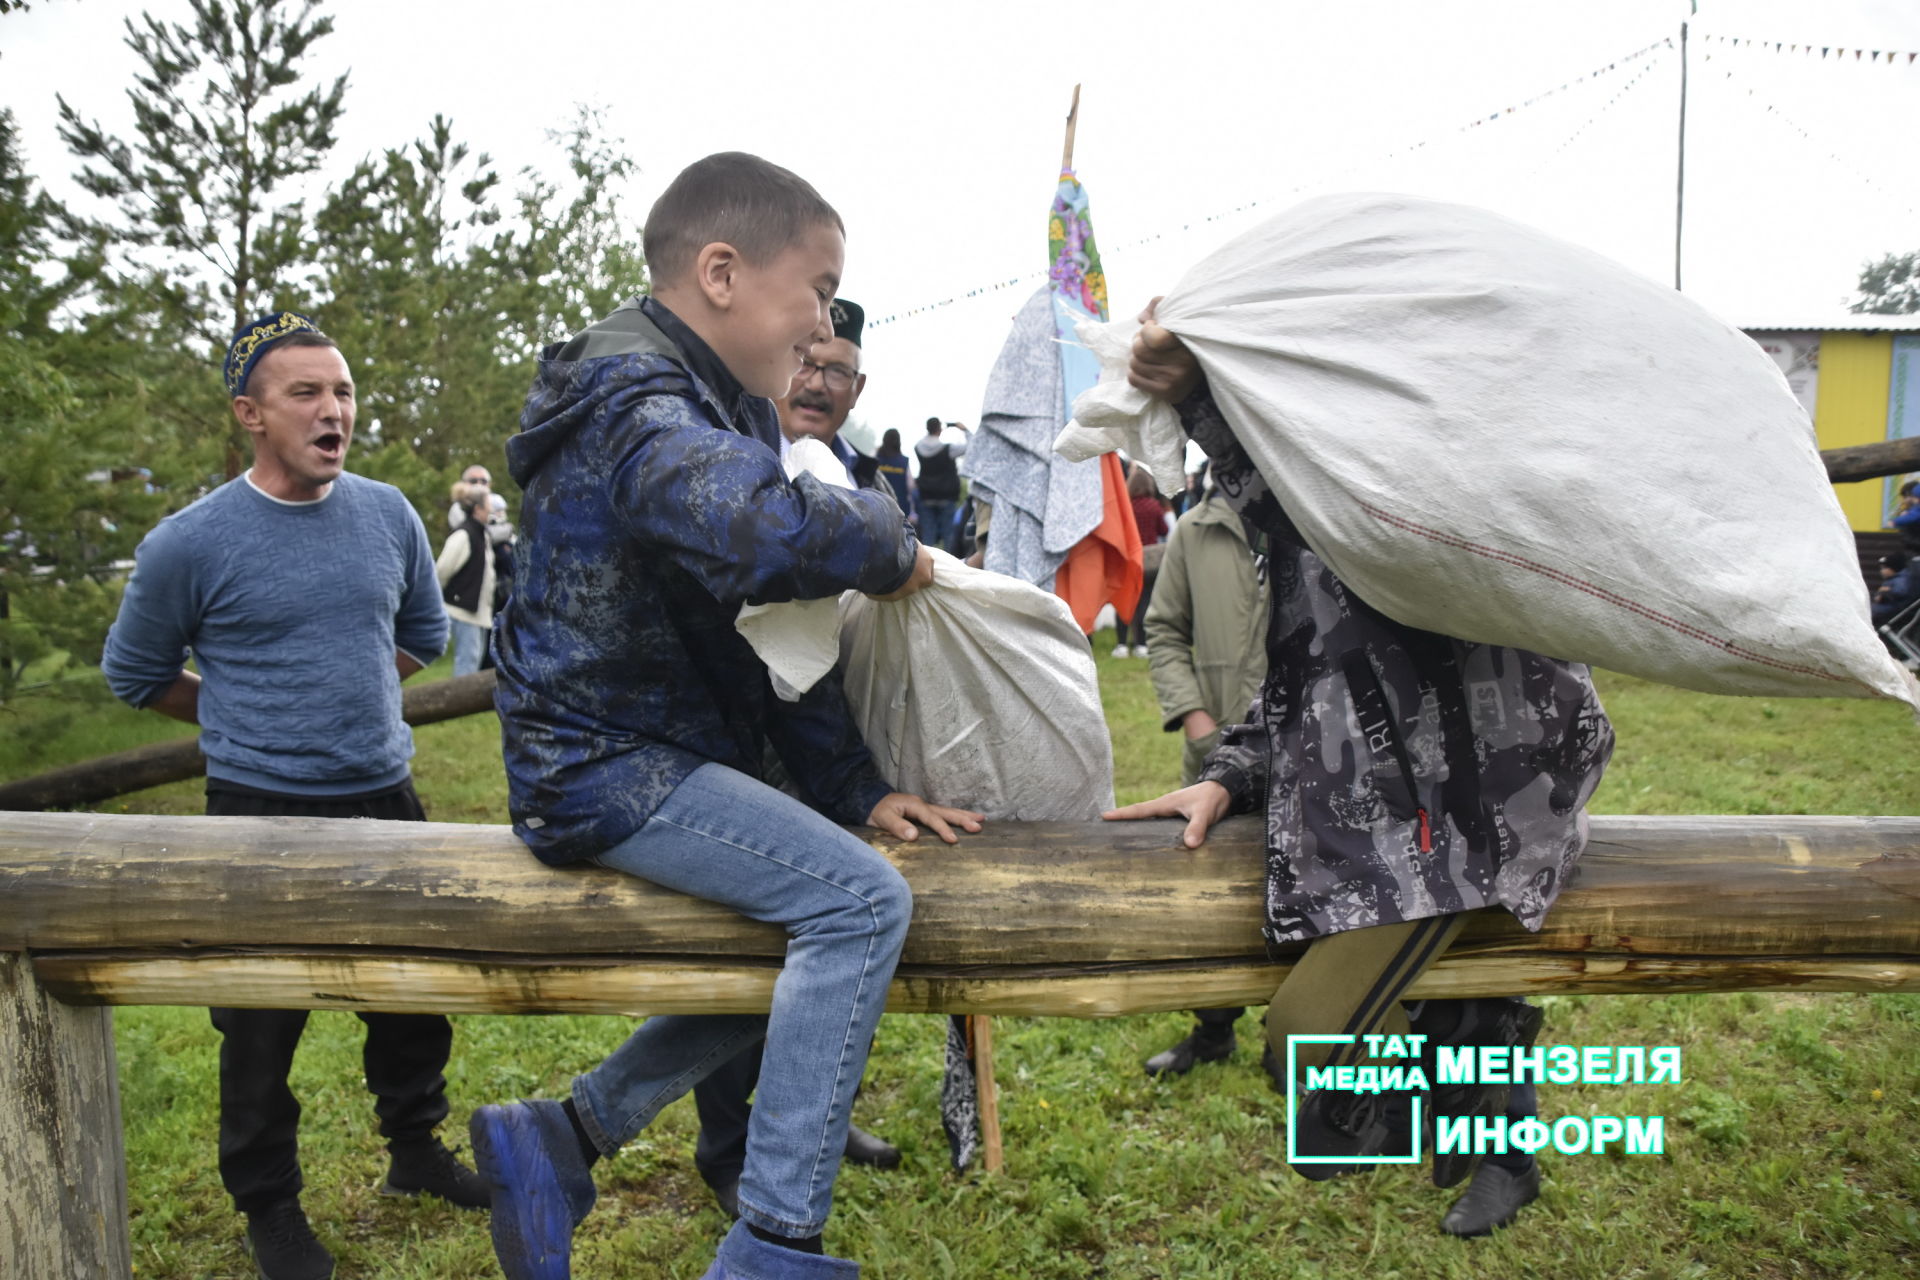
1162, 366
920, 578
1198, 724
895, 809
1202, 805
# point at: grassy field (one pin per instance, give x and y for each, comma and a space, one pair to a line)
1790, 1138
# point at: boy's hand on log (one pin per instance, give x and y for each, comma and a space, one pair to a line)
1161, 364
921, 577
897, 812
1202, 805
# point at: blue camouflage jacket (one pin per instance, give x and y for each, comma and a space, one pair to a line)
654, 507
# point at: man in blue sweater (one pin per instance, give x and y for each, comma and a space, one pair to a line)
306, 595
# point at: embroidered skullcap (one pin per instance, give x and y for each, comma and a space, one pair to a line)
255, 340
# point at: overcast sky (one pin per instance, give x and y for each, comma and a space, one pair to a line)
936, 130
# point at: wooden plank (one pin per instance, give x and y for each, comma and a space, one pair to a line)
158, 763
63, 1181
413, 983
1061, 894
986, 1091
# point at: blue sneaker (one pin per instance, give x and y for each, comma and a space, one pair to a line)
539, 1182
745, 1256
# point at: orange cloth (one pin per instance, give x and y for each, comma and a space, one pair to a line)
1105, 565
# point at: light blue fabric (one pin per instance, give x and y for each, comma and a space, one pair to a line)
1042, 504
293, 612
469, 647
743, 1256
727, 838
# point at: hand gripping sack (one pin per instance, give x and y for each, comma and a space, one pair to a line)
979, 692
1493, 434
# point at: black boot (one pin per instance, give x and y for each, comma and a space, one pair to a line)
870, 1150
1204, 1045
1492, 1200
283, 1245
425, 1165
1480, 1022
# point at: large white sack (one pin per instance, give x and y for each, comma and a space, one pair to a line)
979, 692
1493, 434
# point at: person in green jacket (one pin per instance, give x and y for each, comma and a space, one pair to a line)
1206, 650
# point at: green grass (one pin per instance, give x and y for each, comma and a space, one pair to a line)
1789, 1139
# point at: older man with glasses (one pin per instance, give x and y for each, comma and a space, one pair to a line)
824, 393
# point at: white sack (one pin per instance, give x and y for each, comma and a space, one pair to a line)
799, 640
1496, 435
979, 692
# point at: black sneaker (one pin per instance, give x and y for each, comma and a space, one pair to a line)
428, 1167
1350, 1125
1180, 1059
283, 1246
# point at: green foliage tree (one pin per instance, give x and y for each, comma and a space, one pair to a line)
1888, 287
205, 216
442, 300
71, 506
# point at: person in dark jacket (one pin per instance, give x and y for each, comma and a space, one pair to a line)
891, 462
467, 577
1899, 587
1407, 779
635, 716
816, 407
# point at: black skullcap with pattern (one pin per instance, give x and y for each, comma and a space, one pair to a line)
255, 340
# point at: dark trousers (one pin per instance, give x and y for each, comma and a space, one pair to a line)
404, 1058
720, 1153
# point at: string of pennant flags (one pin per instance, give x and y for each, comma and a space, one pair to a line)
1613, 67
1605, 107
1787, 120
1893, 57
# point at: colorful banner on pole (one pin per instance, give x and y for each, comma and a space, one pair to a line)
1078, 286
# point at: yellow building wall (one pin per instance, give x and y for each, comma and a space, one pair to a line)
1852, 409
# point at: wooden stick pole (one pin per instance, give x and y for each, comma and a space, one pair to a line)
1073, 122
980, 1032
63, 1169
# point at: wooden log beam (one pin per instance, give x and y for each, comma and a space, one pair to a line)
63, 1179
1085, 919
1871, 461
158, 763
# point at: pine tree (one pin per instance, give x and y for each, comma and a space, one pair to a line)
1889, 287
208, 216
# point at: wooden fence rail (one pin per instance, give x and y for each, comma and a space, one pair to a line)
1075, 919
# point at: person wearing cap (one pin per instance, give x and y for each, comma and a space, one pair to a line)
824, 392
815, 407
306, 595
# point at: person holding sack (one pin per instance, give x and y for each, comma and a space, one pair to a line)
1407, 779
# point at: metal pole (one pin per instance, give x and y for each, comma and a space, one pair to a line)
1680, 180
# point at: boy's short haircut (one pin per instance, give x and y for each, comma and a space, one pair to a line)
732, 198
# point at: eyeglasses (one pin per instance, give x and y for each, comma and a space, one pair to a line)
838, 377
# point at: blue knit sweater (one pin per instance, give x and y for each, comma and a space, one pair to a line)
293, 612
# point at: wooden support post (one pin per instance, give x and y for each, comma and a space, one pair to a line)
980, 1033
63, 1170
1073, 123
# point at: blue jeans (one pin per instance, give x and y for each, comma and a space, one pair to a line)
469, 646
726, 838
936, 521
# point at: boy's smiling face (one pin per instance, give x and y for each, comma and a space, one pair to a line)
777, 310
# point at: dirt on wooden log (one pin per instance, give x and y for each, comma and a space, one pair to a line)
158, 763
1083, 919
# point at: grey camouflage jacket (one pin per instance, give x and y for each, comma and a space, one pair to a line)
1405, 774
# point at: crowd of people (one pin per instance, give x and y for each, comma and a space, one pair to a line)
640, 732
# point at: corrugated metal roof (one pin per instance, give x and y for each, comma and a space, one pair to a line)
1843, 323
